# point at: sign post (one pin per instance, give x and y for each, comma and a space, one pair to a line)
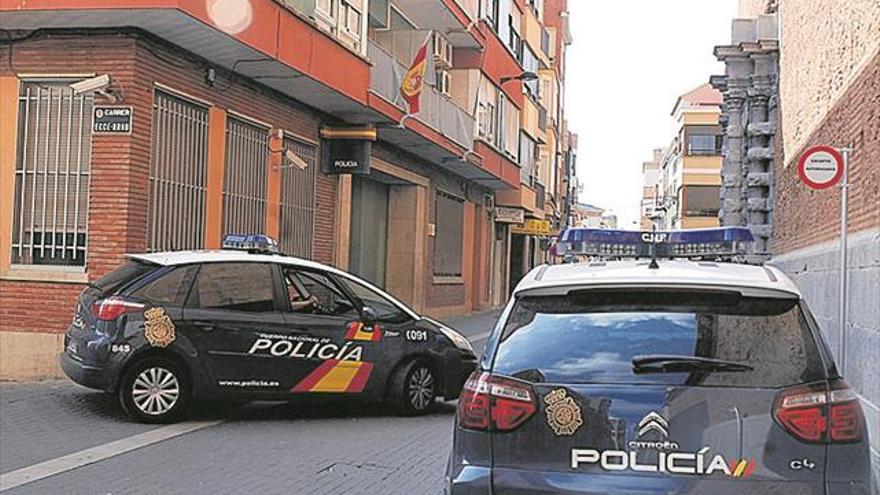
821, 167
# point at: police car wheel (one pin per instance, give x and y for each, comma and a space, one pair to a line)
154, 390
414, 388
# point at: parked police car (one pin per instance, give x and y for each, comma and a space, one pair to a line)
243, 323
669, 376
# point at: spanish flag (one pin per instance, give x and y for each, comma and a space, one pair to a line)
414, 80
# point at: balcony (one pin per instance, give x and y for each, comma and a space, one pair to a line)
450, 17
438, 111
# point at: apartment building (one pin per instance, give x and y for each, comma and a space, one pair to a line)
650, 186
690, 168
280, 117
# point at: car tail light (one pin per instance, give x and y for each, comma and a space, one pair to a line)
113, 307
819, 415
490, 402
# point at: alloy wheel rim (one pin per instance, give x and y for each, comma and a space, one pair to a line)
155, 391
421, 388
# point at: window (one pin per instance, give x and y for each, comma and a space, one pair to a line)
449, 221
298, 200
514, 41
704, 144
502, 120
52, 174
528, 152
169, 288
314, 292
700, 201
386, 311
592, 337
129, 272
491, 12
488, 120
235, 287
244, 183
178, 174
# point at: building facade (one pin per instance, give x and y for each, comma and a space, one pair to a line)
689, 176
650, 188
216, 121
828, 93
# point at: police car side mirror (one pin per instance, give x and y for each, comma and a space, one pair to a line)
368, 317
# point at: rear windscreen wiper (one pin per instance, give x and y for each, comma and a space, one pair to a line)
660, 363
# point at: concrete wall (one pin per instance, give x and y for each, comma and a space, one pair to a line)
815, 271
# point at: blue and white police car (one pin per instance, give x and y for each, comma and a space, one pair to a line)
245, 323
658, 367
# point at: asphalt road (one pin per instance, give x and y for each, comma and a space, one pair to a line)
73, 440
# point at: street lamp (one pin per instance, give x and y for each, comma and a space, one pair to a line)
525, 76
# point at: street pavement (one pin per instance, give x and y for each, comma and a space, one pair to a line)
259, 448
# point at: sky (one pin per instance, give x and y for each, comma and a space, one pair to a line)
628, 63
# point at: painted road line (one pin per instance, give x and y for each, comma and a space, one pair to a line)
75, 460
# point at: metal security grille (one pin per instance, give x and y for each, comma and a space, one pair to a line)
298, 201
244, 185
178, 174
53, 160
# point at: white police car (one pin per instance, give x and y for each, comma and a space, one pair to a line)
658, 369
245, 323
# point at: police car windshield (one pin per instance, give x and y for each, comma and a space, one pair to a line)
595, 336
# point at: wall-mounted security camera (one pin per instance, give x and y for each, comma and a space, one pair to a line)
97, 83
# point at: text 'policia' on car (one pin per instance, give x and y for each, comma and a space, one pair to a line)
650, 376
247, 323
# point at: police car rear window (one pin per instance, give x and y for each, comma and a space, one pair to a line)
593, 336
123, 275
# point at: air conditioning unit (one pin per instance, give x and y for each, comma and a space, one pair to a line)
442, 52
443, 82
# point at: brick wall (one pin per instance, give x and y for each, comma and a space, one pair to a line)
120, 164
824, 45
804, 216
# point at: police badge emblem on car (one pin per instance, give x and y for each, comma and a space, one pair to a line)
158, 327
563, 413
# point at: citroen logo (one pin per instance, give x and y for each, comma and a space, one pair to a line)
653, 421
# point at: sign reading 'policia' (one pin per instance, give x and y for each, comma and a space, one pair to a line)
346, 150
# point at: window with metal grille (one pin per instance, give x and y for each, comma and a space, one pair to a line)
449, 223
298, 200
53, 161
244, 183
178, 174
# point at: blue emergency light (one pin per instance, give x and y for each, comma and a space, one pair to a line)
255, 243
723, 241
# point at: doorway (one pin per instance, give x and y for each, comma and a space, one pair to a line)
369, 229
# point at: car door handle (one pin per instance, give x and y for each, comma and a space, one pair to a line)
207, 326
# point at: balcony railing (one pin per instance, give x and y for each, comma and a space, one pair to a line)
437, 110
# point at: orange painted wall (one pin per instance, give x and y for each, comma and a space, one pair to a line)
216, 169
8, 140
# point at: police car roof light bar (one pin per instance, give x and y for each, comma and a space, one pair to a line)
252, 243
697, 243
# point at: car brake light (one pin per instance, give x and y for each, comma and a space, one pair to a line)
495, 402
113, 307
817, 415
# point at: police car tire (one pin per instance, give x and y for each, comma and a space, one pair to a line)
400, 387
126, 388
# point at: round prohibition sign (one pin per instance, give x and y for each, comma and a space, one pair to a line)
820, 167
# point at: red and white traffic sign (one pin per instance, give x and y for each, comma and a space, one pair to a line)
820, 167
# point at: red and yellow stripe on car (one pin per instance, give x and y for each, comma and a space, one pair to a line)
355, 331
742, 468
336, 376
